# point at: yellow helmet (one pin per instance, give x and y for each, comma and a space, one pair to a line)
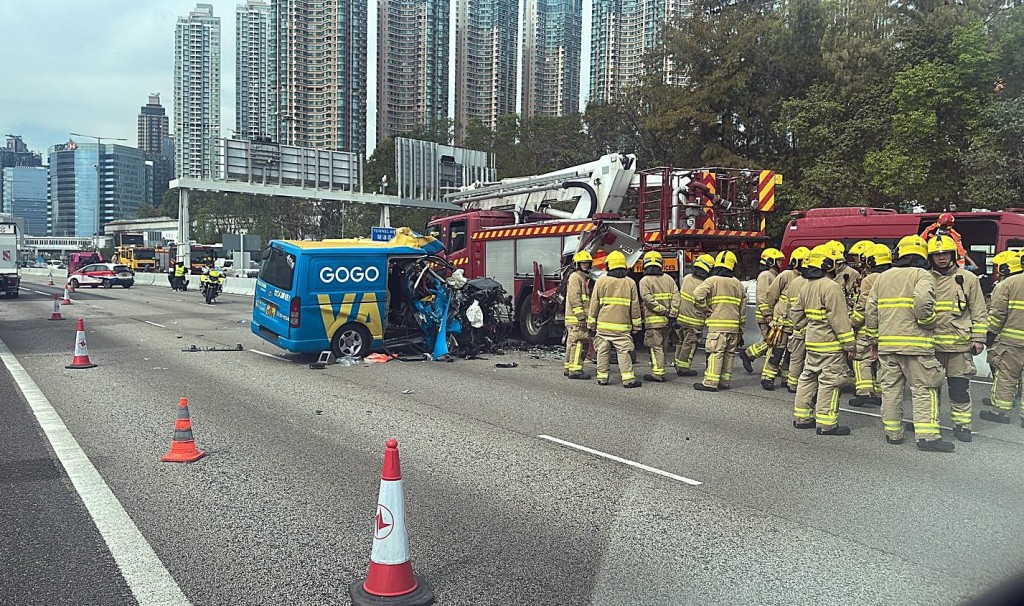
861, 248
705, 262
582, 257
822, 257
770, 257
838, 246
726, 259
798, 256
1006, 263
942, 244
878, 255
616, 260
653, 258
911, 245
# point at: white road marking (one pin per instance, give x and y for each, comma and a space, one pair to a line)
981, 382
269, 355
612, 457
879, 416
154, 324
145, 574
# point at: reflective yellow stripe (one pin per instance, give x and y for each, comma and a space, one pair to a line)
930, 319
1015, 304
725, 299
857, 316
896, 426
613, 327
687, 297
637, 322
979, 329
952, 339
723, 323
578, 309
896, 300
1012, 334
815, 314
943, 306
656, 320
663, 296
823, 346
898, 341
615, 301
870, 332
690, 320
846, 337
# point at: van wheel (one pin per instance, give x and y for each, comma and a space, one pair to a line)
351, 340
533, 328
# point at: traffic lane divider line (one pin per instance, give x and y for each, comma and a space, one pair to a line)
617, 459
154, 324
269, 355
144, 573
879, 416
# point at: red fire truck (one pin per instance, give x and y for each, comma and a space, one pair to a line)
523, 231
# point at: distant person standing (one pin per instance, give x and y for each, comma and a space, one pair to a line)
577, 300
660, 303
691, 318
615, 314
725, 298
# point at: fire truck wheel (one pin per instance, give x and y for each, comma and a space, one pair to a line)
532, 327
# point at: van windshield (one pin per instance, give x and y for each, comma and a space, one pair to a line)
278, 269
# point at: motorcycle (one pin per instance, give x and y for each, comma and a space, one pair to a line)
211, 285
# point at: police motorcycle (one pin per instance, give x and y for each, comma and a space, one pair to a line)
211, 284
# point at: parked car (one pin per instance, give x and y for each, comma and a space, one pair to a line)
56, 264
107, 275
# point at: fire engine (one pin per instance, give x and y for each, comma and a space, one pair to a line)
523, 231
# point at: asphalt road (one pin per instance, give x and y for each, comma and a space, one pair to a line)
280, 510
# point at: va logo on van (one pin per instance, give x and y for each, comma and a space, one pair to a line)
349, 274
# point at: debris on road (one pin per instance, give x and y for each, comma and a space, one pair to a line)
506, 365
195, 348
408, 391
379, 358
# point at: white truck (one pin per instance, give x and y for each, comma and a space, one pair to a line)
10, 277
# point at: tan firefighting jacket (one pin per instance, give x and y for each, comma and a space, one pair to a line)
821, 307
1006, 310
614, 306
660, 300
862, 299
774, 298
689, 314
900, 313
960, 305
786, 300
726, 301
763, 314
577, 298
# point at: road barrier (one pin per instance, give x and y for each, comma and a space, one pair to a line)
232, 286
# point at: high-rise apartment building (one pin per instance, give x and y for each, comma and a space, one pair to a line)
486, 59
253, 55
24, 197
157, 146
73, 188
624, 32
412, 65
197, 93
551, 57
319, 73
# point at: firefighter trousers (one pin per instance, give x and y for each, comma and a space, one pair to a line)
797, 354
604, 342
577, 341
761, 347
923, 374
656, 339
1007, 365
864, 381
817, 391
959, 368
686, 346
721, 348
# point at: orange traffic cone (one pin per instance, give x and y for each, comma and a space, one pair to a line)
390, 579
55, 315
183, 445
50, 275
81, 359
67, 297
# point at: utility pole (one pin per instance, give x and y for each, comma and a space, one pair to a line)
99, 164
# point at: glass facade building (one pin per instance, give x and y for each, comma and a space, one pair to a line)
74, 186
24, 197
551, 57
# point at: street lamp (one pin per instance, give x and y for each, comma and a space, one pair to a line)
99, 164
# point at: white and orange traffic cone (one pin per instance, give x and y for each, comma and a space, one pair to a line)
50, 275
55, 314
67, 297
81, 359
183, 445
390, 579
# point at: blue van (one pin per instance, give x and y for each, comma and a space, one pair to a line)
340, 295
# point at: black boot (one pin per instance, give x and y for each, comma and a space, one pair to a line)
686, 372
860, 401
655, 379
767, 384
631, 384
565, 373
962, 433
936, 446
602, 381
578, 374
703, 387
994, 416
790, 389
838, 430
894, 441
748, 364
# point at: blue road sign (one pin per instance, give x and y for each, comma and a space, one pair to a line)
382, 234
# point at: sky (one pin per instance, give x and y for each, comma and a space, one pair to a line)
87, 66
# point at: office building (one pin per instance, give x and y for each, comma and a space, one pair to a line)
253, 55
157, 146
73, 193
24, 197
319, 73
486, 59
16, 153
551, 57
196, 93
412, 65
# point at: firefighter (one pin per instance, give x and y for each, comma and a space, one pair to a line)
726, 300
1004, 268
821, 307
614, 315
690, 321
660, 299
794, 339
779, 330
943, 226
900, 319
959, 330
876, 260
770, 259
577, 299
1006, 328
847, 277
855, 257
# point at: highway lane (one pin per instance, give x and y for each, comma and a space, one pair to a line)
497, 514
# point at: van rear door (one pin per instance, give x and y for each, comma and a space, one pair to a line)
275, 288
